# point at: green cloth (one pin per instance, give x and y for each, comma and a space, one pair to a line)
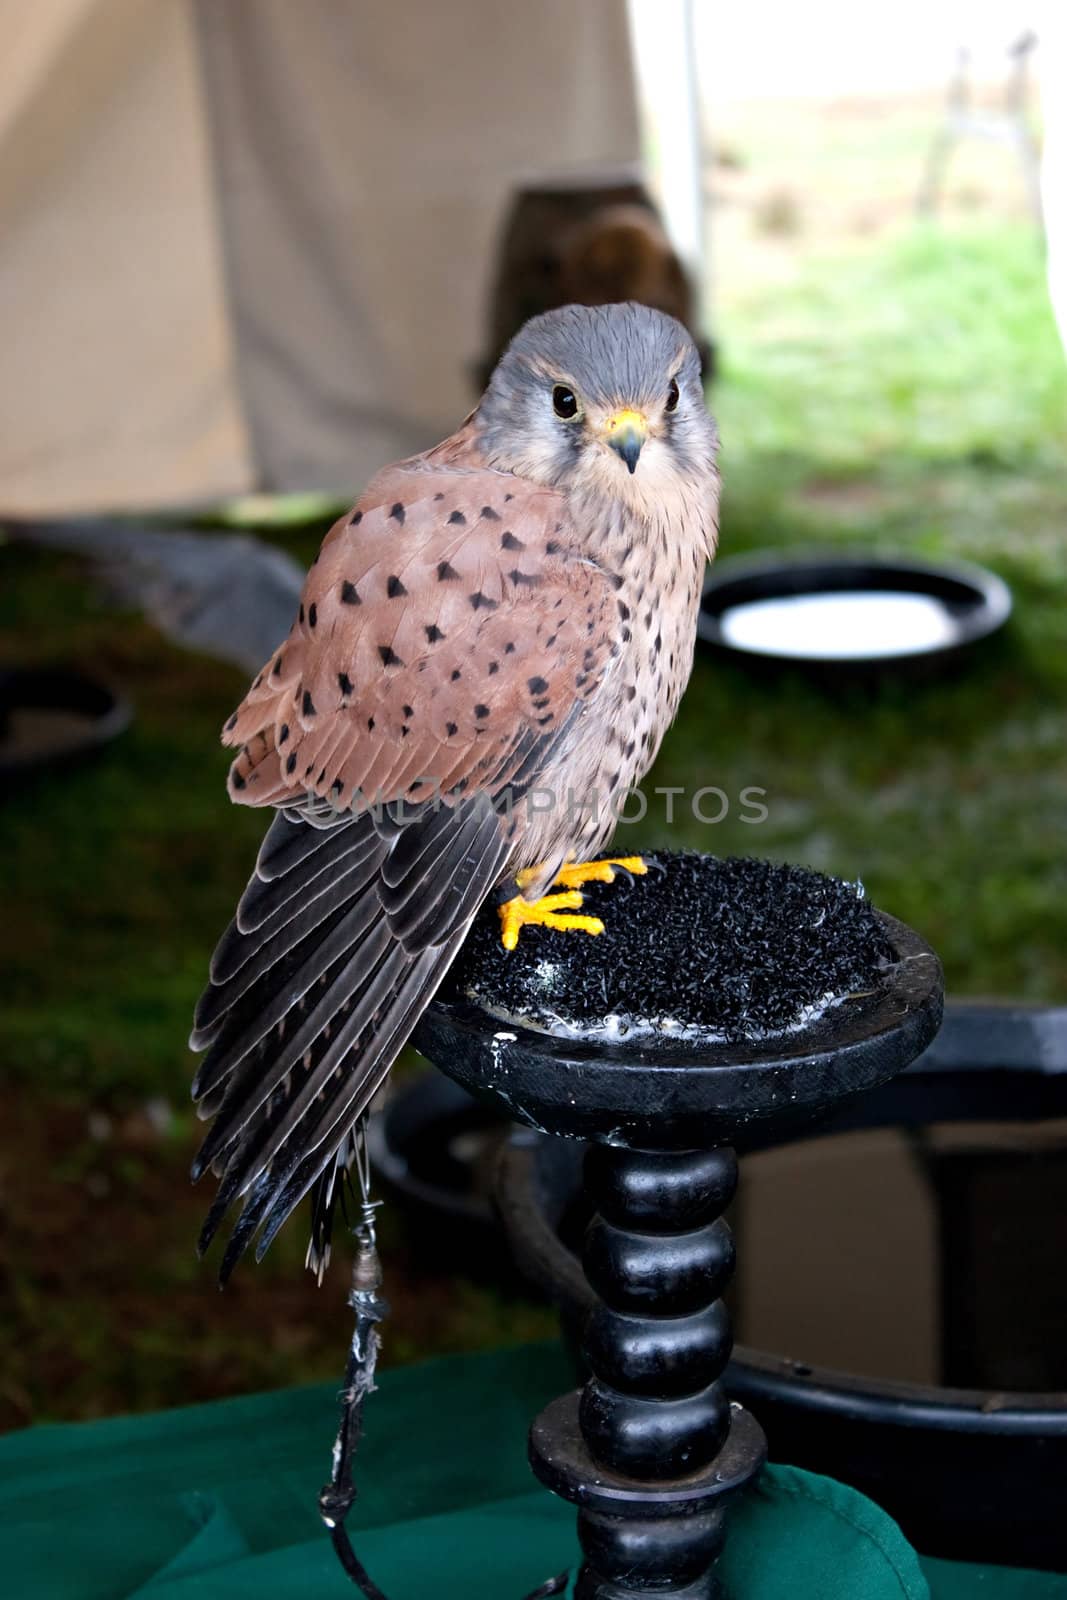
958, 1580
218, 1502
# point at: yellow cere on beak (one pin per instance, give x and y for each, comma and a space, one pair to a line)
626, 432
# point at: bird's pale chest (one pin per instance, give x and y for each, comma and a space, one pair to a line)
658, 573
656, 570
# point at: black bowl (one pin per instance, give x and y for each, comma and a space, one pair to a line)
53, 715
833, 614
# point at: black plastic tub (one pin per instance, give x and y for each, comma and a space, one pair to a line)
973, 1474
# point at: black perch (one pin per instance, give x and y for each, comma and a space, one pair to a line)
725, 1000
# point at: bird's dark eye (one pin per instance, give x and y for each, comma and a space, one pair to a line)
564, 402
672, 396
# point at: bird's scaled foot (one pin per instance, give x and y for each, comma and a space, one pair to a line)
555, 910
551, 911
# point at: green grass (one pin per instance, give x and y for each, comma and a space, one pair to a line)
936, 349
124, 867
910, 395
912, 398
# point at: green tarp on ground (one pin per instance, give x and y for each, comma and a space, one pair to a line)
218, 1502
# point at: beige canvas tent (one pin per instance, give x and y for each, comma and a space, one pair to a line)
245, 243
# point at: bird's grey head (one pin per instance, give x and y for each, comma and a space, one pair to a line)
602, 400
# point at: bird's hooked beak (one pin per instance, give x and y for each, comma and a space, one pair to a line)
626, 432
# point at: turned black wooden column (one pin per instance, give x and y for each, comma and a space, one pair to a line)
658, 1255
651, 1450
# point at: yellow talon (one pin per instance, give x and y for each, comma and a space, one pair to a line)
599, 871
551, 910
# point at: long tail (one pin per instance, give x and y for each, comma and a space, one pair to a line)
340, 941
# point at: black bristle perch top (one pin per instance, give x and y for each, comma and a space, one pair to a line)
699, 948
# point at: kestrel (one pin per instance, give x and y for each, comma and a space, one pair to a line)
488, 652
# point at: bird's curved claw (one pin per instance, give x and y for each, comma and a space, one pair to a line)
579, 872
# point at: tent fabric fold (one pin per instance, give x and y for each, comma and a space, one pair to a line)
248, 247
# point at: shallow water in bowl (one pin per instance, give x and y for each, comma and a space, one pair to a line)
933, 1255
846, 625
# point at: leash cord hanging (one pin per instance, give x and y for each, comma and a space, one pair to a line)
369, 1309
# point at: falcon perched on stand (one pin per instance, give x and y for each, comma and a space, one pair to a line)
488, 651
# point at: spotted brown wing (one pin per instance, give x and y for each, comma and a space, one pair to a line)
449, 638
